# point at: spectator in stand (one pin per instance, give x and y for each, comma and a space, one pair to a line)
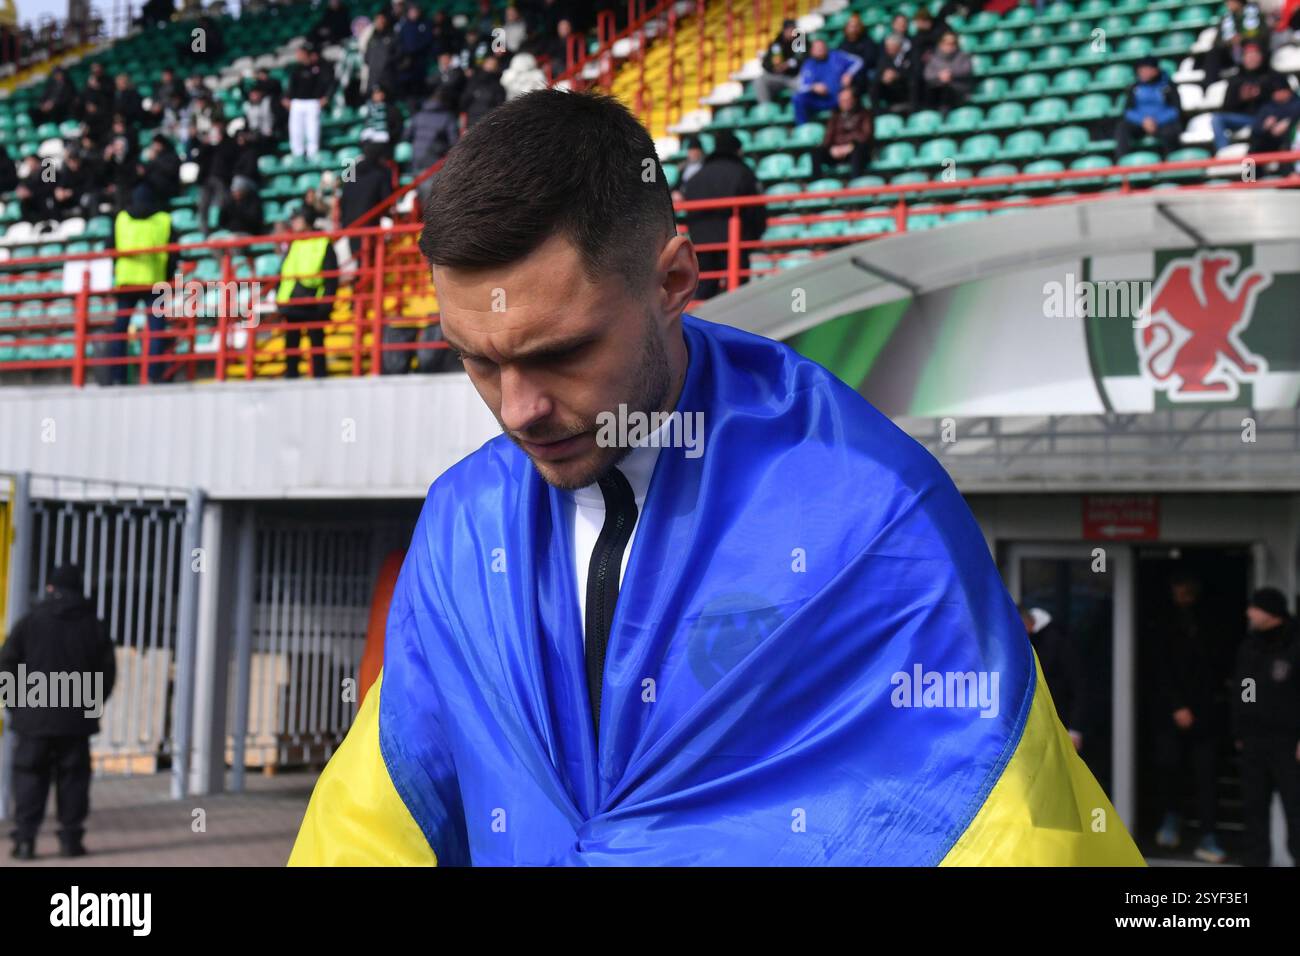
317, 208
926, 34
380, 53
58, 99
848, 136
308, 284
76, 187
821, 77
485, 20
1275, 123
947, 74
483, 92
781, 64
432, 132
446, 38
157, 12
127, 101
858, 42
142, 225
95, 108
160, 169
8, 171
333, 26
364, 187
121, 168
694, 160
514, 31
1151, 109
310, 86
246, 157
241, 211
556, 50
902, 27
415, 49
216, 161
35, 193
168, 90
478, 47
724, 174
259, 120
1247, 92
449, 77
382, 121
172, 122
274, 93
198, 119
1241, 22
894, 89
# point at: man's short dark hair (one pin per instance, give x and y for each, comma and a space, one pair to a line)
549, 161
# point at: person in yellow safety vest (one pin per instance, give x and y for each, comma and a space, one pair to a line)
141, 225
305, 296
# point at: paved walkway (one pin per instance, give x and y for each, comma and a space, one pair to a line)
134, 822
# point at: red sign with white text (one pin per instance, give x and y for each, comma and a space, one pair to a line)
1121, 517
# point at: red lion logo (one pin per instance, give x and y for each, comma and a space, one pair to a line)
1191, 347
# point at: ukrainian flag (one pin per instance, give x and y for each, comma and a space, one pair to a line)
812, 662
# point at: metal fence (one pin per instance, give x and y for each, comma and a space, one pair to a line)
311, 605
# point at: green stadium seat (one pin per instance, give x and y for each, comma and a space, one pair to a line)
1069, 82
935, 152
992, 171
1004, 115
770, 137
809, 134
1029, 85
895, 156
963, 119
990, 88
1051, 110
924, 122
1066, 140
776, 166
979, 149
888, 126
1091, 106
1022, 144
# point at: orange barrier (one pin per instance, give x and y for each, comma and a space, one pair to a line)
390, 285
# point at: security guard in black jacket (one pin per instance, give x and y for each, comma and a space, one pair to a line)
1266, 721
59, 636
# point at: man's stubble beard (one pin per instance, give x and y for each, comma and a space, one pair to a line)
649, 391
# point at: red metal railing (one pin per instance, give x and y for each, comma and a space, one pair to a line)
387, 284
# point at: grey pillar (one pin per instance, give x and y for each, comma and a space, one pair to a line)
243, 641
183, 697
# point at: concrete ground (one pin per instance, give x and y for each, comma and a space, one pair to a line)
134, 822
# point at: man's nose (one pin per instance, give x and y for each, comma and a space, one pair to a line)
523, 401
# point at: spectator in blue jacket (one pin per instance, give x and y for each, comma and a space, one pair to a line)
821, 78
1152, 109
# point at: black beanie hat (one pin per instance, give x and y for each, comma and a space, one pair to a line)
1270, 601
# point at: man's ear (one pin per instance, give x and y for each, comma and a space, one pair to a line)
678, 275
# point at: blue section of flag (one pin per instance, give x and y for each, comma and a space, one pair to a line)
785, 590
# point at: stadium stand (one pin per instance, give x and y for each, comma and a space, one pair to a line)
1037, 122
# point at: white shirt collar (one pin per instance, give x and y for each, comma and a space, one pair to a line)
638, 466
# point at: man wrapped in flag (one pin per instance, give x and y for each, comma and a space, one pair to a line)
700, 603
